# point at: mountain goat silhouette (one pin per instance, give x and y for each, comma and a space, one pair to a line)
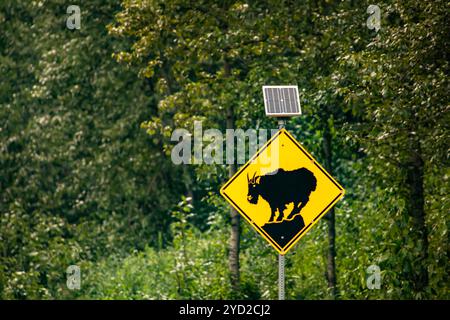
280, 188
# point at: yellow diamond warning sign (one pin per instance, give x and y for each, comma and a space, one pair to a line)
282, 191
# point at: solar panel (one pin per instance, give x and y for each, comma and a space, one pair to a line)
281, 101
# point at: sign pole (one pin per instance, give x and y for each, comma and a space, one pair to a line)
280, 277
281, 281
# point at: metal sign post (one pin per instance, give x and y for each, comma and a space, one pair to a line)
281, 295
280, 277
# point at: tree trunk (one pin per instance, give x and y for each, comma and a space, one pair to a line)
234, 242
331, 263
235, 217
416, 210
188, 185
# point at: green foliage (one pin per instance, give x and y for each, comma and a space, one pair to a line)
191, 268
73, 159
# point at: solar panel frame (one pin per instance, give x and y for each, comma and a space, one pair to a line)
277, 104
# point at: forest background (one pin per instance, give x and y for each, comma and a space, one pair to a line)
86, 117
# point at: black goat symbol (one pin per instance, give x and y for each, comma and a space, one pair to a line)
280, 188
